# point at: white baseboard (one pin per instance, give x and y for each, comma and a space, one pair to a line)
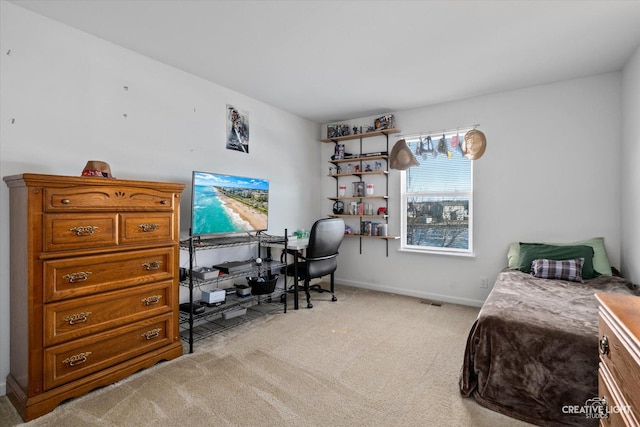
412, 293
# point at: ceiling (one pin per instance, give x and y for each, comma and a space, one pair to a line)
337, 60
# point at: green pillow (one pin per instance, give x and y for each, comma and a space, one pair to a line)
531, 251
513, 255
600, 257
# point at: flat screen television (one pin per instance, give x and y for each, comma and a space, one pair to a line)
227, 204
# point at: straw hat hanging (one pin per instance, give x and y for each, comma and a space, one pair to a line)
473, 144
401, 157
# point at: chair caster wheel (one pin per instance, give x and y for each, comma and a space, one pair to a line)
333, 298
309, 305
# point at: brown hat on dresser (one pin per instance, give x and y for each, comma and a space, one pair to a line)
97, 168
401, 157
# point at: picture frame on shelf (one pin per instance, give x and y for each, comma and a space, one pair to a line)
332, 131
385, 122
359, 189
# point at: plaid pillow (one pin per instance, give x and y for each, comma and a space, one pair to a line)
566, 269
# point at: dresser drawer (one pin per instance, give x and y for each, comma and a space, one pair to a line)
76, 318
623, 364
75, 231
80, 276
619, 414
106, 198
146, 227
76, 359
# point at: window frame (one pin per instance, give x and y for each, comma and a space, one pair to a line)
404, 200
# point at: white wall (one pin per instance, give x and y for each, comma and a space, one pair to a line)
63, 103
550, 173
630, 200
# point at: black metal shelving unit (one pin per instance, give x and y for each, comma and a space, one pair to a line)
198, 326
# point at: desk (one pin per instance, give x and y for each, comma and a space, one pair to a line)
297, 245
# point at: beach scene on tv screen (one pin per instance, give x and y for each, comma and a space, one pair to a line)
228, 204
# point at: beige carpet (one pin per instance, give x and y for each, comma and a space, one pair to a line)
369, 359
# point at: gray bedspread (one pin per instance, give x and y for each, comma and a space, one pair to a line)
533, 350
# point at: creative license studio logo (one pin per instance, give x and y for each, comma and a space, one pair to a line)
596, 407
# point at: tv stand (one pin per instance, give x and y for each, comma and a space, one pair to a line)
216, 319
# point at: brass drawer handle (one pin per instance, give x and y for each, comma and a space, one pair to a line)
604, 407
151, 300
77, 359
148, 227
84, 230
154, 333
66, 201
153, 265
603, 344
164, 202
80, 276
72, 319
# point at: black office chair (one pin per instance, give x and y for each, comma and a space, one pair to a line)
322, 255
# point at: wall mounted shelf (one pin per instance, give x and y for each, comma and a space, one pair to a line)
363, 161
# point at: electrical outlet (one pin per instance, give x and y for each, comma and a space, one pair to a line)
484, 282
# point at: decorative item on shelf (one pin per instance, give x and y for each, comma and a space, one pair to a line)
349, 168
342, 190
382, 210
358, 189
401, 156
338, 152
338, 207
368, 209
382, 229
385, 122
336, 130
366, 228
367, 168
370, 189
378, 165
97, 168
474, 144
355, 130
353, 208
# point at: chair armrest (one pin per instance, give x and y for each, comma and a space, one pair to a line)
293, 252
322, 258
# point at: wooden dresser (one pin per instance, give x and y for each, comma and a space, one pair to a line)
94, 287
619, 371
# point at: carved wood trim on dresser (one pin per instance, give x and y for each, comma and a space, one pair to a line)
94, 284
619, 370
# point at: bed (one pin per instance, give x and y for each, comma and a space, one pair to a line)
532, 352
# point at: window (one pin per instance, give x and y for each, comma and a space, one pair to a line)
437, 196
